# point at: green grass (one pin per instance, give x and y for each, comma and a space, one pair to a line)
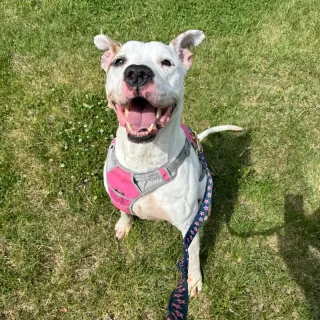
258, 68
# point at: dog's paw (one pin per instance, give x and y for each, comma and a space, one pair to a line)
194, 286
122, 228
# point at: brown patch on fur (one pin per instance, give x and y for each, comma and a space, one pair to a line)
149, 207
174, 42
115, 48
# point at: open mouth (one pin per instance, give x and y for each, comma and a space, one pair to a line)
142, 120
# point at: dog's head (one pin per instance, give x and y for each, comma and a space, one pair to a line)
145, 81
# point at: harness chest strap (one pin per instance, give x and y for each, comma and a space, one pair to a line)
126, 187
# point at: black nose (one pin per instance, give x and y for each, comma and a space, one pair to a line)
138, 75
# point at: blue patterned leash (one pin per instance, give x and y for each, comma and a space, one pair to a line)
179, 299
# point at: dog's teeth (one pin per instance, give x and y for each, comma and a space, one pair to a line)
126, 111
150, 128
168, 111
129, 126
158, 114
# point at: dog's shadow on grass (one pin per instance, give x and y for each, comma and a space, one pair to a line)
299, 246
228, 157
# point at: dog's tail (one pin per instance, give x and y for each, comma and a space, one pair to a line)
205, 133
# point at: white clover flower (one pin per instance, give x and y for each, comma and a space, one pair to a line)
62, 165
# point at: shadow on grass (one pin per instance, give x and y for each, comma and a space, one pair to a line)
228, 157
299, 246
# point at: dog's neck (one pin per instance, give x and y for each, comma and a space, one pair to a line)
144, 157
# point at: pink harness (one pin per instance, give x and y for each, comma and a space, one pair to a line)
126, 187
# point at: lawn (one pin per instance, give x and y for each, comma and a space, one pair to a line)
260, 251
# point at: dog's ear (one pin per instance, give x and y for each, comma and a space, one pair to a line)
110, 47
182, 45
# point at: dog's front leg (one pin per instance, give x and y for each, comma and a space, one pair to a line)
123, 225
194, 273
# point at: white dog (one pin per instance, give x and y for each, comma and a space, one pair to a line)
145, 86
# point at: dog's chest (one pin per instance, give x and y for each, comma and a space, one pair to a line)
150, 206
173, 200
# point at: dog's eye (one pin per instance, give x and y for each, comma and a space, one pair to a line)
166, 63
118, 62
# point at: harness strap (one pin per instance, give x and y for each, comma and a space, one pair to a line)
175, 164
165, 174
149, 180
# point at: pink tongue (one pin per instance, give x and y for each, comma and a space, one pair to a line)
141, 116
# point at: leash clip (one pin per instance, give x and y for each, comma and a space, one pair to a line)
196, 142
